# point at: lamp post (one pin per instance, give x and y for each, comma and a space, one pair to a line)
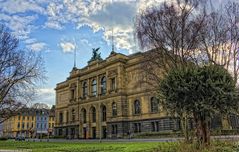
100, 123
42, 113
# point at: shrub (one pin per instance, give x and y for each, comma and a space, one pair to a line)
3, 138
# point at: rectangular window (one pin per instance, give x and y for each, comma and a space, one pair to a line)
23, 118
94, 87
152, 127
49, 125
72, 93
19, 117
32, 117
84, 89
155, 126
23, 125
60, 132
27, 117
18, 125
52, 125
166, 124
61, 117
137, 127
114, 129
113, 86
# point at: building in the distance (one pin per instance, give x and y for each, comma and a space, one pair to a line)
42, 117
21, 124
29, 122
51, 121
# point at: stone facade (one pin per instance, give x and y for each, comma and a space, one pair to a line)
105, 99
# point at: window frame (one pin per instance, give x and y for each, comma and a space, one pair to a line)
137, 107
94, 87
104, 113
154, 105
103, 85
84, 89
114, 109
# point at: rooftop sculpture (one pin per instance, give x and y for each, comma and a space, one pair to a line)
95, 55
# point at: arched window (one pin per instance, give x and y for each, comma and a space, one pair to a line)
114, 109
94, 87
73, 115
93, 112
84, 115
137, 108
84, 89
154, 102
103, 85
104, 113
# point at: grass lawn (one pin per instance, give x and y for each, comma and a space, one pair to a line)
115, 147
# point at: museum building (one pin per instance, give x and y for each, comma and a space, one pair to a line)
105, 99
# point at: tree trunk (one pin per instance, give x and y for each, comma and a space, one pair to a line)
206, 132
186, 129
202, 129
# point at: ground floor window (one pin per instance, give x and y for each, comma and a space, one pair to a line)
155, 126
60, 132
168, 124
114, 129
137, 127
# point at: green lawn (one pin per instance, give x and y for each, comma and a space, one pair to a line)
115, 147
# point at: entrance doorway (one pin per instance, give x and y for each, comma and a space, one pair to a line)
104, 132
84, 133
93, 132
72, 133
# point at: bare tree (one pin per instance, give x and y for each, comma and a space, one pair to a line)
20, 70
220, 38
172, 32
184, 32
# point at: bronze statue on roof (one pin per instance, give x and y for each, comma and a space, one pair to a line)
95, 55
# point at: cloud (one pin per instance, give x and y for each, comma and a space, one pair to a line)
53, 25
85, 42
30, 40
20, 6
37, 46
67, 47
97, 14
45, 95
20, 26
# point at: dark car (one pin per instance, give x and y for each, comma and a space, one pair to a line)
20, 138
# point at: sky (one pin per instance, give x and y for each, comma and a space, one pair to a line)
55, 28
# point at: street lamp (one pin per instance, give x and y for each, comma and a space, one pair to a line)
42, 113
100, 122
